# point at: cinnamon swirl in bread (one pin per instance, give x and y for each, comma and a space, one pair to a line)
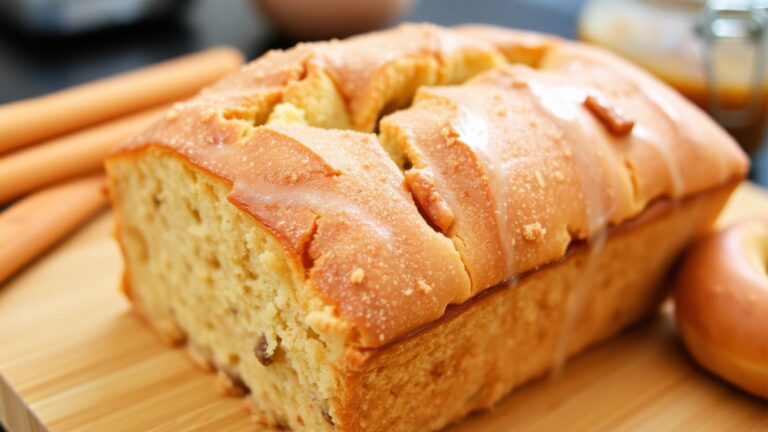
521, 199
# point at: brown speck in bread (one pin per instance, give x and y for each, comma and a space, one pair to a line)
260, 351
611, 116
533, 231
438, 369
424, 287
357, 275
327, 416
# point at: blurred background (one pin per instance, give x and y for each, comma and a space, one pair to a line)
711, 51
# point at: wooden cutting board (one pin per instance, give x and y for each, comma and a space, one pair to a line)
73, 357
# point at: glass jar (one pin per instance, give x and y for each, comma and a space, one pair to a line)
713, 52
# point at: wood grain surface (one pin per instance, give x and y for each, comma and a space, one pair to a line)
74, 358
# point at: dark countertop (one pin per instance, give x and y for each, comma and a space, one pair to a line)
32, 66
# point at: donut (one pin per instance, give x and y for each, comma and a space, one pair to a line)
721, 299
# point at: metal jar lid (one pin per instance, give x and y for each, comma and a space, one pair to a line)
740, 21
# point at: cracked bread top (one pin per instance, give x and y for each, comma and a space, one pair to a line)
497, 176
529, 160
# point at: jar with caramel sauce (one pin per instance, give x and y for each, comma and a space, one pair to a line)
714, 52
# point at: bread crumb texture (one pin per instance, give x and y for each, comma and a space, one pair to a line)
357, 275
200, 262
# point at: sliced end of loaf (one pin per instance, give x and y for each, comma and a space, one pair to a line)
200, 266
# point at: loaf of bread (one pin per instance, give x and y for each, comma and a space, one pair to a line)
389, 232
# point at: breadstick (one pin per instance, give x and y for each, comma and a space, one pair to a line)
78, 153
33, 224
31, 120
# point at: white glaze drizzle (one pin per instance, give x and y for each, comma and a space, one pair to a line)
650, 91
474, 132
677, 120
575, 303
564, 104
646, 137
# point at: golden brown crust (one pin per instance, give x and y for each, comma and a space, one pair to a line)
566, 183
674, 134
517, 332
466, 360
527, 164
721, 298
518, 46
358, 223
509, 184
337, 204
362, 65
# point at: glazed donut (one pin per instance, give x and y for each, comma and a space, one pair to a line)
721, 298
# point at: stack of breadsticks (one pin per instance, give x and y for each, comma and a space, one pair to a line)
51, 147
